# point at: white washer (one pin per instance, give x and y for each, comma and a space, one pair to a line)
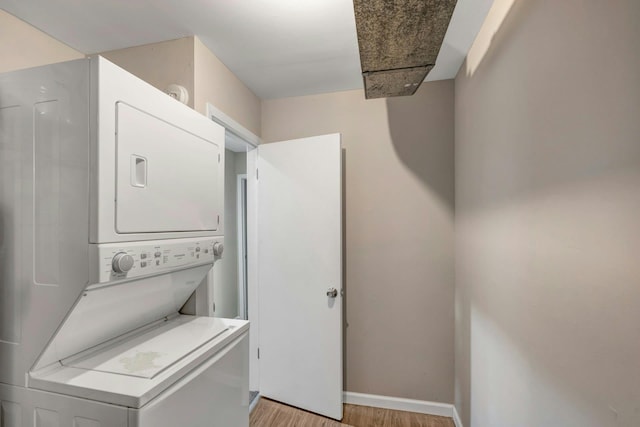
185, 370
111, 203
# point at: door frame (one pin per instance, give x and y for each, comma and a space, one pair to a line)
228, 123
241, 210
254, 141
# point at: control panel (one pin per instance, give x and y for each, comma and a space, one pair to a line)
119, 261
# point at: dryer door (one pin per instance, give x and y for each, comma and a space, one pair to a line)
166, 177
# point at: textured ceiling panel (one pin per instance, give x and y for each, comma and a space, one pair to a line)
400, 34
403, 82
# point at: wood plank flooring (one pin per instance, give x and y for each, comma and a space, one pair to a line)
273, 414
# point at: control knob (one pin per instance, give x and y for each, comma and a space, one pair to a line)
218, 248
122, 262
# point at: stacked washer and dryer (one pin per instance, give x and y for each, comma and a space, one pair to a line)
111, 202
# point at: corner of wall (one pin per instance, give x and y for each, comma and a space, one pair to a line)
35, 48
159, 64
215, 83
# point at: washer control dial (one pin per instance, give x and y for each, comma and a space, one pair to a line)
122, 262
218, 248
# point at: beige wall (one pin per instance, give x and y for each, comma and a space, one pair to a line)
399, 232
23, 46
190, 63
548, 217
160, 64
216, 84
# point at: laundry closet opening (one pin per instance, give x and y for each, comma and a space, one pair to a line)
230, 274
230, 294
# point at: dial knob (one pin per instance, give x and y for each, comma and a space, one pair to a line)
218, 248
122, 262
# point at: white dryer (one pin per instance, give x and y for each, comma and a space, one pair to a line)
111, 203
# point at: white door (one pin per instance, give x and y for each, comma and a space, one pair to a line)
299, 268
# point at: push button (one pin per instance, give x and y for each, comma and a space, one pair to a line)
143, 256
143, 264
157, 254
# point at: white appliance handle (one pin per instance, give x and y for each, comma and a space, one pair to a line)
138, 171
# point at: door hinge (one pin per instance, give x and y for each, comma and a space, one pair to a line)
218, 219
258, 352
218, 158
257, 174
214, 307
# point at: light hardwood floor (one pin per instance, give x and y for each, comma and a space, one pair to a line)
273, 414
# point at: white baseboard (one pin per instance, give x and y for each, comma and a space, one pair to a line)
253, 404
456, 418
401, 404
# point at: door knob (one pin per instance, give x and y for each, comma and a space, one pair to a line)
332, 292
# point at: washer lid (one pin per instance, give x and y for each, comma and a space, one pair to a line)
148, 354
136, 391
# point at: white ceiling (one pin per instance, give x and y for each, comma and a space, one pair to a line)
278, 48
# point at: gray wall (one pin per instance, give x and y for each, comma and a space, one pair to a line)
548, 217
399, 232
